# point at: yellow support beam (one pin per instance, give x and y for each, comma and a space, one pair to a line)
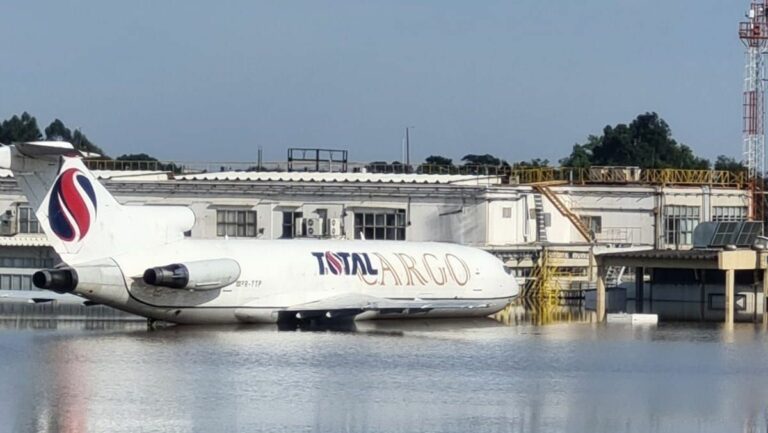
629, 175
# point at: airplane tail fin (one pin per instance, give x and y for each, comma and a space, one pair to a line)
82, 220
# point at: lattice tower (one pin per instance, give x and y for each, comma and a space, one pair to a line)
754, 34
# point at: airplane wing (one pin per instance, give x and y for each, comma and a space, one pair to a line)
352, 304
40, 296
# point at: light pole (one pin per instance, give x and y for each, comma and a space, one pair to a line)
408, 149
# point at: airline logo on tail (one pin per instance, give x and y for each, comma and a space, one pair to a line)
72, 205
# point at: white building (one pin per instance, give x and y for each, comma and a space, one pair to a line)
513, 220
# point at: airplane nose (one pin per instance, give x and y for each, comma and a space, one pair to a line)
59, 280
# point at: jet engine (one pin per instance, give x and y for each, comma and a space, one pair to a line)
195, 275
62, 280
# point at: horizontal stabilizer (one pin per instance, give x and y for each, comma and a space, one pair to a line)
39, 296
46, 149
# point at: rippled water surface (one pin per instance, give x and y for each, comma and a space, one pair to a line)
440, 376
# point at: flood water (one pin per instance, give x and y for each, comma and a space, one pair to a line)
532, 374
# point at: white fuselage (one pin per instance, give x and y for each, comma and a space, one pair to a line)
275, 275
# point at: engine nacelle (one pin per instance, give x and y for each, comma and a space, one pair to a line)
196, 275
62, 280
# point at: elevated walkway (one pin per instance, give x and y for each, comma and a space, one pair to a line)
629, 175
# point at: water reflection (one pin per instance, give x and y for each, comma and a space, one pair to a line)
552, 369
527, 311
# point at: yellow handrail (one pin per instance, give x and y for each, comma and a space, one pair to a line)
629, 175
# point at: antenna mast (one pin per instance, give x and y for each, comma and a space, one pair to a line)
754, 34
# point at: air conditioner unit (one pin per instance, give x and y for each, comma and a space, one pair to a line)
298, 228
334, 227
8, 223
314, 227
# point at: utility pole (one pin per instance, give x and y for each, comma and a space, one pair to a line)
407, 151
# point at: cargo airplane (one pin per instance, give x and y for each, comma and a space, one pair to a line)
137, 259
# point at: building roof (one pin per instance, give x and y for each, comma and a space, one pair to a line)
118, 175
267, 176
273, 176
739, 259
709, 254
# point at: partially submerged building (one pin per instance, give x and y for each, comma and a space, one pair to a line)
568, 213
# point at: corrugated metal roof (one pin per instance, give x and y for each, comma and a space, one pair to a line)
266, 176
122, 175
344, 177
128, 175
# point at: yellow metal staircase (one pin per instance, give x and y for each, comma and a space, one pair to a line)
544, 189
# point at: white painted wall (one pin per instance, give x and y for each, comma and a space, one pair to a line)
627, 213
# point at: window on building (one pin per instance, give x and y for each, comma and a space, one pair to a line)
25, 262
506, 212
289, 224
27, 220
15, 282
380, 224
593, 223
236, 223
679, 222
729, 213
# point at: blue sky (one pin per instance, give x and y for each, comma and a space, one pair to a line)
192, 80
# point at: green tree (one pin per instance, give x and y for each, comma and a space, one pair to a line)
534, 163
19, 129
646, 142
435, 164
142, 161
56, 131
729, 164
486, 159
83, 144
438, 160
581, 155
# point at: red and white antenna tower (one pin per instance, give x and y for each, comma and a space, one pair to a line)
754, 34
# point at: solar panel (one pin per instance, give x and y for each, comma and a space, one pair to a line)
724, 233
741, 234
750, 230
703, 233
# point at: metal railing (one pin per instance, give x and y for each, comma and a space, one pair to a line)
628, 175
523, 176
622, 235
192, 167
